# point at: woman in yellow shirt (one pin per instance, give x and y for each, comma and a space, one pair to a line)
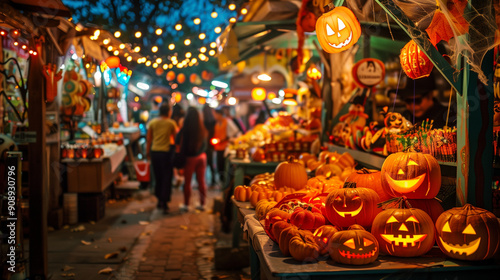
160, 149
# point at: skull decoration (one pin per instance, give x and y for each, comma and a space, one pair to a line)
468, 233
353, 246
414, 175
404, 232
338, 30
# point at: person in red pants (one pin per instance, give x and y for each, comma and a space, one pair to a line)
193, 139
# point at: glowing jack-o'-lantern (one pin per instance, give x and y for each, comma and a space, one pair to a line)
468, 233
414, 175
258, 94
353, 246
404, 232
313, 72
338, 30
414, 61
351, 205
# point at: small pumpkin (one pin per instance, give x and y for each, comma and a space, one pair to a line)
242, 193
259, 155
322, 236
272, 217
278, 227
324, 184
468, 233
285, 237
259, 194
354, 246
262, 207
351, 205
309, 218
329, 169
410, 174
404, 232
338, 30
303, 247
290, 174
369, 178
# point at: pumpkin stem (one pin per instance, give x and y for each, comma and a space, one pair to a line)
291, 159
381, 204
329, 7
364, 170
349, 185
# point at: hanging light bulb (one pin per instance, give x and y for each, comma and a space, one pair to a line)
158, 60
110, 48
213, 45
202, 36
138, 34
129, 58
203, 49
154, 49
158, 31
214, 14
105, 41
178, 27
188, 54
244, 11
148, 63
211, 52
217, 30
117, 34
187, 42
232, 20
196, 21
122, 46
116, 52
137, 49
155, 65
171, 46
232, 7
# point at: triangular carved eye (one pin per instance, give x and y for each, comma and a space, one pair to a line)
392, 220
329, 30
469, 230
446, 227
412, 219
412, 162
341, 24
350, 243
367, 242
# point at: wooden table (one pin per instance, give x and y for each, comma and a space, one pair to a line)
267, 262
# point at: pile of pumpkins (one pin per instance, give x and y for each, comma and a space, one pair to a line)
392, 211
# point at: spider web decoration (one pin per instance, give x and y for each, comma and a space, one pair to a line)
23, 88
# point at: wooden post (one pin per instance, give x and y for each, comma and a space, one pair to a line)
38, 187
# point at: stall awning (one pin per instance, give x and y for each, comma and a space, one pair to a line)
48, 7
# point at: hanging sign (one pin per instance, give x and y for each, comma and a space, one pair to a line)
368, 72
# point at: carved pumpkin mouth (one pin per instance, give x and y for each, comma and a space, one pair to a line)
351, 213
399, 240
467, 249
349, 255
405, 186
342, 44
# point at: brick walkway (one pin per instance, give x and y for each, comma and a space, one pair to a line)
178, 246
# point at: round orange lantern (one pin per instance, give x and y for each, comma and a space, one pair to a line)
338, 30
193, 77
202, 100
313, 72
206, 75
159, 71
177, 97
414, 61
181, 78
170, 76
258, 94
271, 95
113, 61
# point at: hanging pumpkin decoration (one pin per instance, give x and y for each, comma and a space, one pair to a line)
354, 246
258, 94
338, 30
113, 61
403, 231
170, 76
351, 205
181, 78
290, 174
369, 178
414, 61
313, 72
468, 233
414, 175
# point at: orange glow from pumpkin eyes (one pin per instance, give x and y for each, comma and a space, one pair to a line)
469, 230
446, 227
412, 162
356, 197
367, 242
412, 219
401, 172
392, 220
338, 198
350, 243
325, 240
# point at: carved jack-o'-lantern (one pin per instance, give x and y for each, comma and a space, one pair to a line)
414, 175
338, 30
352, 205
414, 61
353, 246
404, 232
468, 233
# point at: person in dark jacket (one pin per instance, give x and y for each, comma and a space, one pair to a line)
209, 122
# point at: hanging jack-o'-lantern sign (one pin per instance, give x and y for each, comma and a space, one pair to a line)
258, 94
404, 232
414, 61
354, 246
170, 76
338, 30
313, 72
113, 62
414, 175
468, 233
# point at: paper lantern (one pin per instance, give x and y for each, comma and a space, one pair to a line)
258, 94
170, 76
113, 61
414, 61
313, 72
159, 71
206, 75
193, 78
181, 78
338, 30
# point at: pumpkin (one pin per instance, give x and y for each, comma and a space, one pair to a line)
324, 184
290, 174
242, 193
262, 207
303, 247
259, 155
278, 195
354, 246
284, 239
309, 218
414, 61
369, 178
322, 236
312, 164
272, 217
328, 169
351, 205
430, 206
404, 232
337, 30
278, 227
345, 160
413, 175
468, 233
318, 201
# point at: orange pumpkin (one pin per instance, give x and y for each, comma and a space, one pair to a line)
303, 247
258, 194
338, 30
262, 207
290, 174
414, 61
278, 227
329, 169
309, 218
369, 178
430, 206
285, 237
272, 217
324, 184
354, 246
322, 236
242, 193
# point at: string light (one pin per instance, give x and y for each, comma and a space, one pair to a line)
171, 46
125, 54
138, 34
194, 60
122, 46
158, 31
148, 63
202, 56
116, 52
202, 36
165, 66
187, 42
217, 29
196, 21
214, 14
24, 47
232, 20
232, 7
110, 48
175, 62
154, 49
129, 58
211, 52
117, 34
159, 60
244, 11
213, 45
178, 27
105, 41
137, 49
188, 54
16, 43
155, 65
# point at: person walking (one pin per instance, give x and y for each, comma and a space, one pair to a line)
178, 114
160, 150
224, 131
209, 122
193, 141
